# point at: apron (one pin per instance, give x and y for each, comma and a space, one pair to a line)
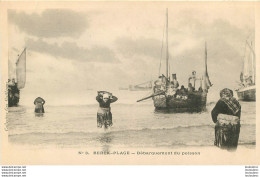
227, 131
104, 117
39, 108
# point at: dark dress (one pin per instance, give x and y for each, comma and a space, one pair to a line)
226, 135
39, 102
104, 115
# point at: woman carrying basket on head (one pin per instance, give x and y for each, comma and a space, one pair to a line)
104, 115
226, 115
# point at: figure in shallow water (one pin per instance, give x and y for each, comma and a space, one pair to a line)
104, 115
226, 115
39, 102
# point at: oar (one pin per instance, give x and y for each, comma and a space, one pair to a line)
160, 93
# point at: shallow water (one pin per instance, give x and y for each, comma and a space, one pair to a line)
134, 125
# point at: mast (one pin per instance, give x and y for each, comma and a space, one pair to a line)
206, 56
167, 53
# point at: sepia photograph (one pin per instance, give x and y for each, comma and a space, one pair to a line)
129, 83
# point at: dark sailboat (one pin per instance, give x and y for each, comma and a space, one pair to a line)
14, 87
247, 89
178, 100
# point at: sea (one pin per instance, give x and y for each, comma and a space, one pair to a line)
73, 124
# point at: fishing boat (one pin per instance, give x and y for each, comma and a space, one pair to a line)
14, 87
141, 87
247, 89
166, 97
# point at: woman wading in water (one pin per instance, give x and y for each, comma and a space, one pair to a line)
104, 115
39, 102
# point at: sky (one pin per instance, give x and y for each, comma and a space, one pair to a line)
74, 49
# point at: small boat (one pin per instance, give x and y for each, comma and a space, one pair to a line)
176, 101
141, 87
123, 88
247, 89
14, 87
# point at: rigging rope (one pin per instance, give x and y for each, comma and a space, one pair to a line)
161, 50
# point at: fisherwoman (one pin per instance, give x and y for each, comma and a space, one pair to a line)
39, 102
104, 115
226, 116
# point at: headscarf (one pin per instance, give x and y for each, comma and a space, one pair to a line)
227, 92
229, 100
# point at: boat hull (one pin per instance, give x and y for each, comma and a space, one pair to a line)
247, 94
195, 102
13, 96
13, 100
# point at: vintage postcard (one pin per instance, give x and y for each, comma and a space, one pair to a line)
86, 83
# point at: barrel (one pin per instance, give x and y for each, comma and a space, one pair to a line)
227, 131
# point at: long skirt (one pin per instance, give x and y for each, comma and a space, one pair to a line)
227, 131
104, 118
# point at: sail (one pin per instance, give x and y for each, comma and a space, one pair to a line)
21, 70
206, 82
246, 70
249, 63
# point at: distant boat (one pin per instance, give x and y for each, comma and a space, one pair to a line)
123, 88
14, 87
194, 101
141, 87
247, 89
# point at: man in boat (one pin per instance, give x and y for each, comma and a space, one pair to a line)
249, 81
173, 86
104, 115
190, 88
192, 79
160, 84
226, 116
181, 93
39, 102
174, 81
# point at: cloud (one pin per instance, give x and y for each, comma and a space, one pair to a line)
50, 23
71, 50
129, 47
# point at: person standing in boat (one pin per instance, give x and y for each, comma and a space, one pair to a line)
39, 102
192, 79
226, 116
190, 88
104, 115
174, 81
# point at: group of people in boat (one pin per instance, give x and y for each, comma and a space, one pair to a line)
246, 80
173, 86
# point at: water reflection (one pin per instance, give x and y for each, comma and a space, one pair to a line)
106, 140
17, 109
39, 114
